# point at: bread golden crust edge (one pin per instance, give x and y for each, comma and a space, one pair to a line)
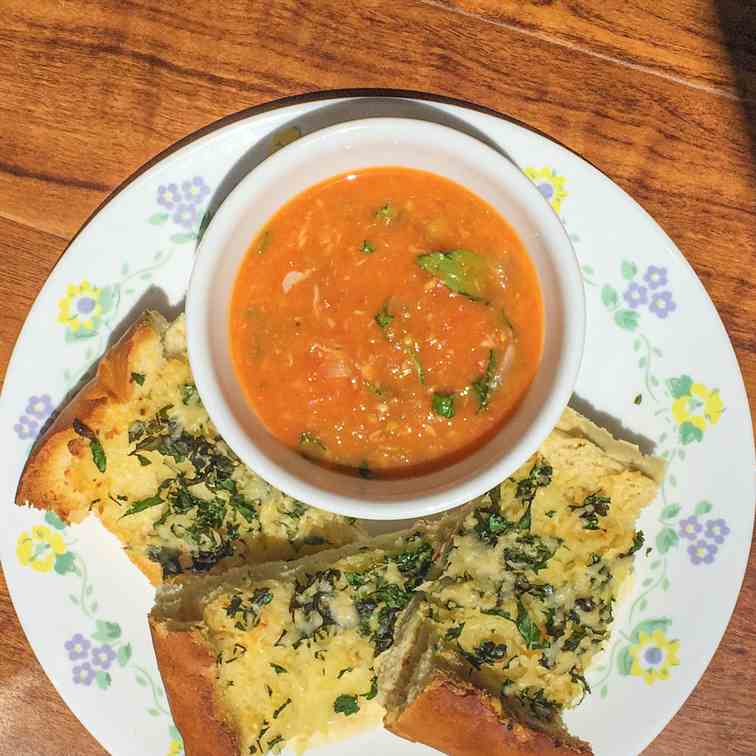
460, 719
188, 671
50, 459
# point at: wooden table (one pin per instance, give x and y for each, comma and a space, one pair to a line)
656, 93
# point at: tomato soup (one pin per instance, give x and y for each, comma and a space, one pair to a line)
386, 322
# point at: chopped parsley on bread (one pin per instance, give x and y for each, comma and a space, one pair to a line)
284, 654
471, 634
136, 448
501, 642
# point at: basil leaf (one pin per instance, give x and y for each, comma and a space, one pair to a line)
460, 270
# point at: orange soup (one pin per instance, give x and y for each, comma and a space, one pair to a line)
386, 322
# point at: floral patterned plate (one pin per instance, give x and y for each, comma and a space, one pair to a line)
658, 368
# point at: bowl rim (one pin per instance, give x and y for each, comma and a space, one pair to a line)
544, 418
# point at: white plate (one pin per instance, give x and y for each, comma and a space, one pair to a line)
657, 358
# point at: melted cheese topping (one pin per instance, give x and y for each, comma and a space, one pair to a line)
295, 658
526, 598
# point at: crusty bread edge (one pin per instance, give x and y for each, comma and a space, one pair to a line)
33, 486
188, 670
36, 486
460, 719
575, 424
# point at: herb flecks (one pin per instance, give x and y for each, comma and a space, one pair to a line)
528, 628
490, 525
95, 446
189, 395
383, 317
538, 477
309, 443
443, 404
387, 213
346, 704
281, 708
485, 653
484, 386
142, 504
594, 506
367, 247
244, 609
638, 540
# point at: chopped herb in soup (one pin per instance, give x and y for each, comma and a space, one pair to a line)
397, 324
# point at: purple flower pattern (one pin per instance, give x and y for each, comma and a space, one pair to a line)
40, 407
78, 647
91, 661
690, 527
705, 542
38, 410
195, 191
636, 295
702, 552
655, 277
717, 530
662, 304
83, 674
184, 202
185, 215
103, 656
26, 428
168, 196
649, 290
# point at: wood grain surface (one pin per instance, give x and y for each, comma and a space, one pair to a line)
659, 94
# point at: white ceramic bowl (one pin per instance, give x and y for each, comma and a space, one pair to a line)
352, 146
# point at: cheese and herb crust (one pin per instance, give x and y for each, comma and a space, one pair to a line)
137, 448
294, 649
526, 598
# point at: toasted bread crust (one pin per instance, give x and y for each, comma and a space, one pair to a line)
51, 459
460, 719
188, 671
39, 485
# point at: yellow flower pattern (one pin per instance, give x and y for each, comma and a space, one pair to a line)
700, 406
40, 548
176, 748
81, 307
653, 655
549, 184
